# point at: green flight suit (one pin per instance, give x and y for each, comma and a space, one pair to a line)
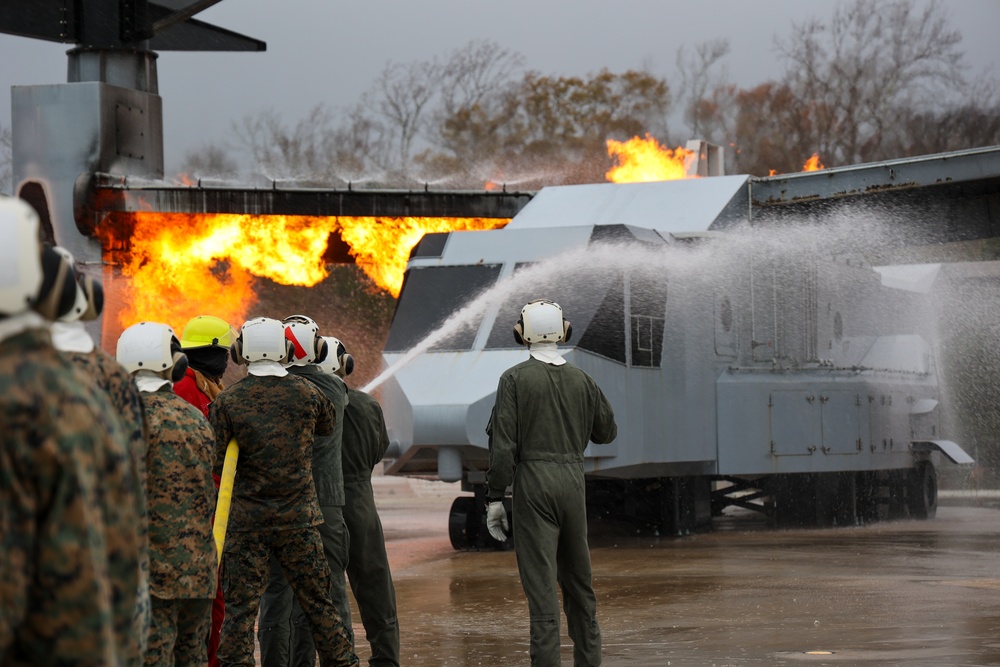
365, 443
542, 419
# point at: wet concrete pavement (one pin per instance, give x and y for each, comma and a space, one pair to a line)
903, 593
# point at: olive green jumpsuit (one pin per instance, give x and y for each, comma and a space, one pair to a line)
543, 417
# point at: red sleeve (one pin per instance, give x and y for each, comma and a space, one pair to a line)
188, 390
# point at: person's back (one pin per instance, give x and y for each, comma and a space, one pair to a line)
271, 419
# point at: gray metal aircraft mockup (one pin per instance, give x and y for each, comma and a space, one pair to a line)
775, 371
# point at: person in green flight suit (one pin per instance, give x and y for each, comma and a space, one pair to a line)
365, 443
546, 411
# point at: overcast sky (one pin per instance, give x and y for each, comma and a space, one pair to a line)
330, 51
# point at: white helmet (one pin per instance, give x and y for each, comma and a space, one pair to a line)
261, 339
337, 361
151, 346
542, 321
89, 300
20, 263
308, 347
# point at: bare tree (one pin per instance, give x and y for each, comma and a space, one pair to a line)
211, 161
403, 94
475, 71
700, 73
875, 59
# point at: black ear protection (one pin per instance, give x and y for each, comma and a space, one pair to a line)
346, 360
236, 350
322, 349
519, 326
519, 331
57, 294
180, 360
94, 292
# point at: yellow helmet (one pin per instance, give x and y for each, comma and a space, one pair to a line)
205, 330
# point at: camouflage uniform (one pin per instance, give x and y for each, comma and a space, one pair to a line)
365, 442
275, 510
182, 547
69, 519
107, 375
543, 417
285, 638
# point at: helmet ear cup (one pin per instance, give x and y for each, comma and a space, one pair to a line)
519, 332
179, 369
347, 364
322, 350
178, 359
236, 350
57, 294
94, 292
289, 351
567, 331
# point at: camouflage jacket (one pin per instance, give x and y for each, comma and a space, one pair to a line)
274, 421
365, 438
69, 517
182, 497
326, 464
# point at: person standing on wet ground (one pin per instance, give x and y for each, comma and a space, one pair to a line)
69, 497
205, 341
546, 410
283, 629
274, 418
181, 499
365, 443
106, 375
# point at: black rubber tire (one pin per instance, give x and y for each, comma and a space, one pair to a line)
922, 491
462, 534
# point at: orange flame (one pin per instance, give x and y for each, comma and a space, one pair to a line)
642, 160
813, 163
181, 264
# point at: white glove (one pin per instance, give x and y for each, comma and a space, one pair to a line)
496, 520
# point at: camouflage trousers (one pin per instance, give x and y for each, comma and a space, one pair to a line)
283, 630
245, 573
178, 632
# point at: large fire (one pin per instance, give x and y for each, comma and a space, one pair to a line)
643, 160
179, 265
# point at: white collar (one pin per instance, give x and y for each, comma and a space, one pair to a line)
71, 337
266, 367
15, 324
149, 381
547, 353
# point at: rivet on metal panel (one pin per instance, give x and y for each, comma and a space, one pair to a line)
811, 449
810, 398
826, 449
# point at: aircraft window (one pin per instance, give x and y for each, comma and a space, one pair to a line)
430, 295
591, 302
648, 301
